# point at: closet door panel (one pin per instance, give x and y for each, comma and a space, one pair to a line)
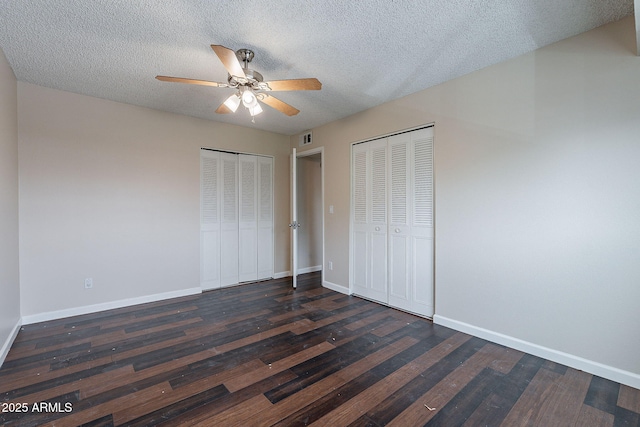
265, 218
378, 268
360, 257
377, 224
360, 236
399, 271
422, 222
209, 220
369, 220
399, 230
229, 257
422, 273
248, 225
210, 267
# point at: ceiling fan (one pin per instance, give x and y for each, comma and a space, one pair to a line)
249, 84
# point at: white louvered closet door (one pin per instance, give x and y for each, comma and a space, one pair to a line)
399, 230
370, 220
392, 240
209, 220
236, 219
422, 232
265, 217
248, 215
411, 221
229, 261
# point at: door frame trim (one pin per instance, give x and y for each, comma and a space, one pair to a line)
307, 153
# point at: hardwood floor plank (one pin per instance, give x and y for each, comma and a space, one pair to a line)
441, 393
268, 355
602, 394
171, 404
130, 346
326, 364
76, 386
592, 417
565, 399
243, 414
629, 398
210, 411
261, 373
529, 403
397, 402
90, 413
106, 421
389, 327
624, 418
308, 395
373, 396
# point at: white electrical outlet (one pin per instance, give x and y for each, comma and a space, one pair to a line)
88, 283
330, 265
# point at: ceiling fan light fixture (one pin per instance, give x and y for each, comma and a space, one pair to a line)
249, 99
232, 102
248, 84
255, 110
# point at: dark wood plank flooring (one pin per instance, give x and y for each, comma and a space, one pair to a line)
263, 354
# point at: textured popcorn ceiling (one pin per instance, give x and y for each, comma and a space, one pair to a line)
364, 52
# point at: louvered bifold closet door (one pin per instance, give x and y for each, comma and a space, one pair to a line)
422, 231
370, 220
248, 218
392, 247
265, 217
209, 220
399, 230
411, 221
229, 220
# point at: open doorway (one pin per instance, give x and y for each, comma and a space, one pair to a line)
310, 246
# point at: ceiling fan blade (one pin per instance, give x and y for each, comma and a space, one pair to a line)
295, 84
229, 60
191, 81
281, 106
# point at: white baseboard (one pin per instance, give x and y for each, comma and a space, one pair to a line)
609, 372
309, 269
9, 341
282, 274
76, 311
335, 287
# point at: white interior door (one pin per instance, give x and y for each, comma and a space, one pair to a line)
294, 218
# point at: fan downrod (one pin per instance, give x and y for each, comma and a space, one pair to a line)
245, 55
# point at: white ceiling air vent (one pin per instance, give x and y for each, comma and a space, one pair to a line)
305, 139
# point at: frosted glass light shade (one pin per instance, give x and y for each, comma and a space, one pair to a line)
232, 102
